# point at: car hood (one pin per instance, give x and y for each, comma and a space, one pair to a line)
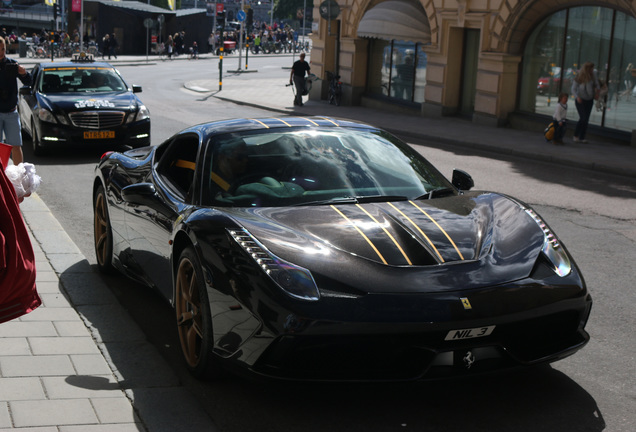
490, 234
97, 101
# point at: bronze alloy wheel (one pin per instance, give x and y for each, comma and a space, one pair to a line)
193, 315
102, 232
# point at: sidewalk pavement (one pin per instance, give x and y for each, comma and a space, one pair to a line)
80, 363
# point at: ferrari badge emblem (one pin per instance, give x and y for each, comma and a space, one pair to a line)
469, 359
466, 303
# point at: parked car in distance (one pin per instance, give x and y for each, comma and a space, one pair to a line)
82, 102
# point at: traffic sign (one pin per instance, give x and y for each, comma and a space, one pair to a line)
329, 9
240, 16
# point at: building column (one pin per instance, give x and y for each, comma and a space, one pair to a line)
353, 69
497, 79
323, 56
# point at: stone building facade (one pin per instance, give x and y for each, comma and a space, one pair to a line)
476, 58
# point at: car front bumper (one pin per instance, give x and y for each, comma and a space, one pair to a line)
384, 337
135, 134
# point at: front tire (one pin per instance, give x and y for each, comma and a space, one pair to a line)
103, 234
35, 140
194, 321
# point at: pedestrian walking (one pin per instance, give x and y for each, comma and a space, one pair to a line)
10, 126
113, 46
297, 78
178, 43
105, 45
559, 118
585, 89
211, 43
170, 46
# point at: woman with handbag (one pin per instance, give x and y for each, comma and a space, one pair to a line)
585, 89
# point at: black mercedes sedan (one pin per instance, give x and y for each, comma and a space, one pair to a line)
82, 102
323, 249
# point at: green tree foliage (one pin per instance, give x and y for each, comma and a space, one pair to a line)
287, 9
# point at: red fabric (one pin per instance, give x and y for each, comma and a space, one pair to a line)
18, 295
5, 153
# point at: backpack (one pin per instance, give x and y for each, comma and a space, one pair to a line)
548, 133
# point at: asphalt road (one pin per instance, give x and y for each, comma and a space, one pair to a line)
593, 214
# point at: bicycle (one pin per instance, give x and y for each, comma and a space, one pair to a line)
270, 47
93, 49
334, 95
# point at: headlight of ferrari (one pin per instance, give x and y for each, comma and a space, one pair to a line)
141, 114
294, 280
552, 249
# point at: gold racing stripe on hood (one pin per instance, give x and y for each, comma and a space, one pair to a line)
310, 121
361, 233
262, 124
329, 120
440, 228
395, 242
283, 121
420, 231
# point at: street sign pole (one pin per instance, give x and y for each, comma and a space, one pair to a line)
221, 64
247, 50
148, 23
220, 16
241, 17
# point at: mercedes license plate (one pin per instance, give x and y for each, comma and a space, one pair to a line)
99, 134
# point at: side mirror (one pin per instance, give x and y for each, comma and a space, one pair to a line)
25, 90
462, 180
136, 88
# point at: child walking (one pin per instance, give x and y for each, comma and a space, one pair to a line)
560, 115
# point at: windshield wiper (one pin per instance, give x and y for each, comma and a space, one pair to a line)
340, 200
357, 200
381, 198
439, 192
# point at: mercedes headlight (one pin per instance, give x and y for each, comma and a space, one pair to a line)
46, 116
141, 114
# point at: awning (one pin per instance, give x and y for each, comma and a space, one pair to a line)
396, 20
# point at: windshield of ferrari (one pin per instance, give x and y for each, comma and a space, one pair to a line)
315, 167
80, 79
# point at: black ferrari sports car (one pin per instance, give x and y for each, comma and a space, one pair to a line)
82, 102
322, 249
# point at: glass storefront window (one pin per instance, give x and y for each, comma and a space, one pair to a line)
397, 69
562, 43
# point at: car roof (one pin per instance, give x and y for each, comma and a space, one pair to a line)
283, 122
67, 64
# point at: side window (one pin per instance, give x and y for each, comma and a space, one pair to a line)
34, 76
177, 166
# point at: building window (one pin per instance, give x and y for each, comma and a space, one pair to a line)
562, 43
397, 69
